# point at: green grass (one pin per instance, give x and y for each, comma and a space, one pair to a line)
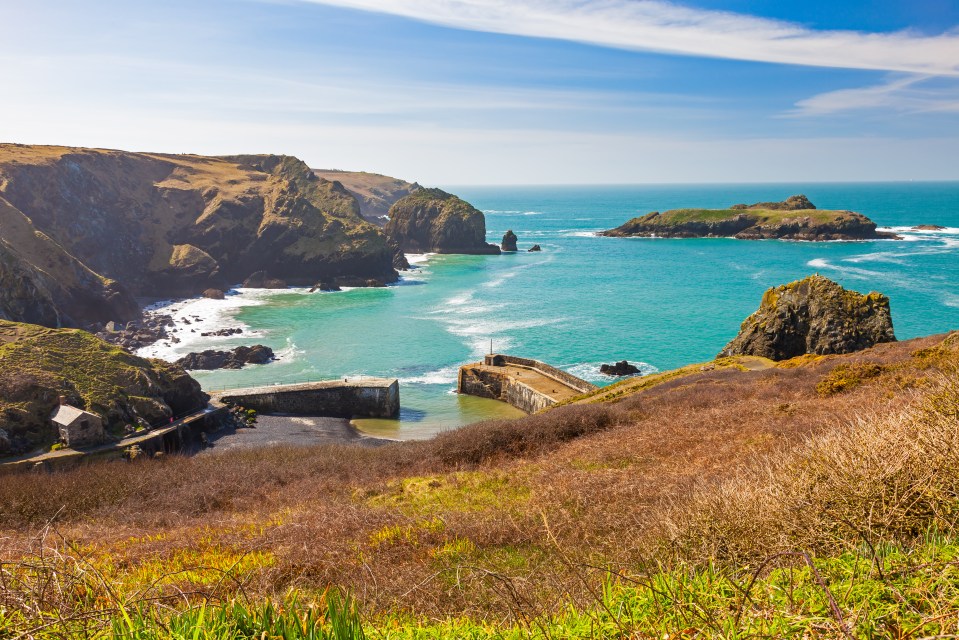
763, 216
886, 591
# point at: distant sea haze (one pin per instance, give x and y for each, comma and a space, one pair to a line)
584, 300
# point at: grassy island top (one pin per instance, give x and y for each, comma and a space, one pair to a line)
759, 215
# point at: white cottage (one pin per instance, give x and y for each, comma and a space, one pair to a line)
76, 426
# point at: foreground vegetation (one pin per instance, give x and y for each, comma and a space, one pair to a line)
721, 503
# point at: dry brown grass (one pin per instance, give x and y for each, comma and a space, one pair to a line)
502, 518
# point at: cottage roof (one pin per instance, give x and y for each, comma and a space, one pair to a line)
67, 416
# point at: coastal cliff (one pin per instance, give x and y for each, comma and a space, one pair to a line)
84, 230
431, 220
793, 219
813, 316
39, 364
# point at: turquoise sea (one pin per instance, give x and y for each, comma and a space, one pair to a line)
584, 299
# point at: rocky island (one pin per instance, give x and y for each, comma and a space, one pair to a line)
796, 218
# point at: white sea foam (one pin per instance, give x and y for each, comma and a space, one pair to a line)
582, 234
418, 258
446, 375
195, 316
589, 371
946, 231
291, 352
855, 272
951, 300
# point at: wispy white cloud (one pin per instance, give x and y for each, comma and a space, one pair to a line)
656, 25
902, 94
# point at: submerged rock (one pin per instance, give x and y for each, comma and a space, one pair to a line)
509, 241
235, 359
928, 227
813, 315
621, 368
535, 247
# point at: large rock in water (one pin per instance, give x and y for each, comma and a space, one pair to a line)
38, 365
433, 221
813, 315
82, 231
509, 241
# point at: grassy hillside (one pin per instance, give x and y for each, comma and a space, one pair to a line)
39, 364
814, 497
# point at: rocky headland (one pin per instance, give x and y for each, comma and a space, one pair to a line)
83, 231
433, 221
796, 218
813, 316
40, 364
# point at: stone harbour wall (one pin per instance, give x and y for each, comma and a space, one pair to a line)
374, 398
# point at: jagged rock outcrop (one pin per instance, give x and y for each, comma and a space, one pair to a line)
535, 247
792, 203
433, 221
509, 241
235, 359
762, 221
814, 315
39, 364
621, 368
375, 193
108, 225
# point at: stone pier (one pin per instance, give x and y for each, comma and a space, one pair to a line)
365, 398
528, 385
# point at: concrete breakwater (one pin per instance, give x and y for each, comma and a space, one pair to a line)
366, 398
528, 385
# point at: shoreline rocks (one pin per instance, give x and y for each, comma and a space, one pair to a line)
234, 359
813, 316
619, 369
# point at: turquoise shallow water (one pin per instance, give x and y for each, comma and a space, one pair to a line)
584, 299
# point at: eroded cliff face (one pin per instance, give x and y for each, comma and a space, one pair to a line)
813, 316
160, 225
433, 221
39, 364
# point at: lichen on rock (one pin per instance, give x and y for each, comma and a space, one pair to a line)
813, 316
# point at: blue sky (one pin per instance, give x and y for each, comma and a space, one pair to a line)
450, 92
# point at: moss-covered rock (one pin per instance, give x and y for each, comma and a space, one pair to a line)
813, 316
39, 364
431, 220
